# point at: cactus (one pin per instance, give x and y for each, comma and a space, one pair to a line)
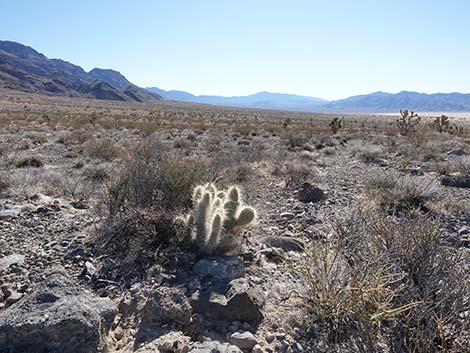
336, 124
407, 122
218, 218
442, 124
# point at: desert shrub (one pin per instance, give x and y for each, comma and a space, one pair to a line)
461, 165
96, 172
133, 240
152, 176
103, 149
28, 162
295, 140
79, 136
4, 182
393, 278
36, 138
401, 192
441, 168
294, 173
241, 173
329, 151
366, 152
182, 143
78, 189
432, 284
322, 141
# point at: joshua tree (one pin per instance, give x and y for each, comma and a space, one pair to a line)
336, 124
442, 124
218, 218
407, 122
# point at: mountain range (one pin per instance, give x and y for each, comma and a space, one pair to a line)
261, 100
24, 69
374, 102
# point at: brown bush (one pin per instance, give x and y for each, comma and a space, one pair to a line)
152, 176
103, 149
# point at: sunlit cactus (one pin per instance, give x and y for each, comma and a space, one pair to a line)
217, 219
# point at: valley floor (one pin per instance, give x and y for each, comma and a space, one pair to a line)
361, 242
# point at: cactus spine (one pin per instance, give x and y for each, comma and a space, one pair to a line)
218, 217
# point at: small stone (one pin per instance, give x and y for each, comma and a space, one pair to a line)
464, 231
220, 267
11, 213
270, 337
283, 242
287, 215
455, 181
13, 297
89, 269
172, 342
257, 349
244, 340
213, 347
456, 152
13, 259
246, 326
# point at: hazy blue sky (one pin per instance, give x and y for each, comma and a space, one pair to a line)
329, 49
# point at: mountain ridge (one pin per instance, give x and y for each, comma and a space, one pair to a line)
378, 101
25, 69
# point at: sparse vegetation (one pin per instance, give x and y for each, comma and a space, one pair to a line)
378, 265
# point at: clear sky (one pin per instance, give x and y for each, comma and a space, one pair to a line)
329, 49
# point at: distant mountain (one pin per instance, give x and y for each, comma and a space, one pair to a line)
23, 68
262, 100
375, 102
114, 78
388, 102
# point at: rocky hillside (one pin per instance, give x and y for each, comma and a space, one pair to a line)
24, 69
114, 78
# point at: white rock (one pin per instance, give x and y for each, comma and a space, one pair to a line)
243, 340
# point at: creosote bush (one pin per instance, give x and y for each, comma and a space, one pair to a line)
152, 176
294, 173
103, 149
218, 217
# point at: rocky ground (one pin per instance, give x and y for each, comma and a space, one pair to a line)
71, 283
